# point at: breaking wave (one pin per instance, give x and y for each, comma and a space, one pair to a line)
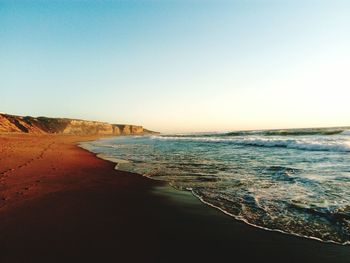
290, 143
280, 132
294, 181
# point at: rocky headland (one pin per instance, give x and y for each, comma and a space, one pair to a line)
45, 125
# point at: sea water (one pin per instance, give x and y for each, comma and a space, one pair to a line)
294, 181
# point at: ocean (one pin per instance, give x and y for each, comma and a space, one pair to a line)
294, 181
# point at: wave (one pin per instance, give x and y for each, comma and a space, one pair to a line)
259, 141
336, 216
280, 132
274, 194
243, 219
304, 132
346, 132
340, 146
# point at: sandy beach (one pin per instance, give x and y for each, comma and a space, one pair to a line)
59, 203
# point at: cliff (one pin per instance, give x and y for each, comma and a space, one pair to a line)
44, 125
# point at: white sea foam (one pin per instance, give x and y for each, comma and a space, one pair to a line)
278, 183
346, 132
240, 218
319, 144
309, 145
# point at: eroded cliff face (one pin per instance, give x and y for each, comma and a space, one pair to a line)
43, 125
129, 129
10, 123
79, 127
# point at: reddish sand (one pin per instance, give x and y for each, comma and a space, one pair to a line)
34, 165
60, 203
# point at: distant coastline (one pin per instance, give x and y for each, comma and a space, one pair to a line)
44, 125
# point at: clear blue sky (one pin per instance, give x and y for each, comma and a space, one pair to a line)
178, 65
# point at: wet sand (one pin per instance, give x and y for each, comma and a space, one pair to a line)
59, 203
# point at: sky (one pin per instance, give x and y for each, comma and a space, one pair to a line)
178, 66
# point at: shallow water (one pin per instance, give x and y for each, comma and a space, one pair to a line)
295, 181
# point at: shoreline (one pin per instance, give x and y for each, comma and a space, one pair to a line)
117, 162
210, 205
78, 208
